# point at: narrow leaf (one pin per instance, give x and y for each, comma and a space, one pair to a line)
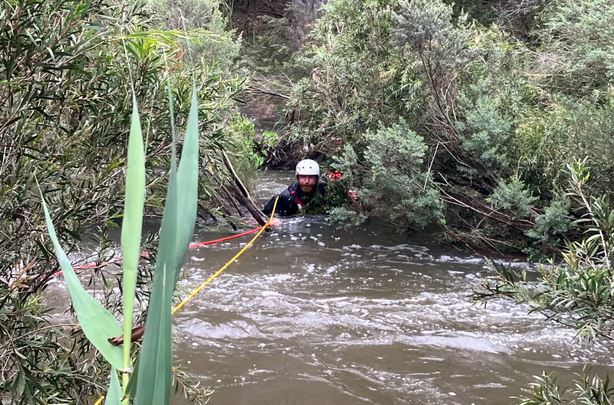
114, 394
187, 187
132, 223
97, 323
153, 384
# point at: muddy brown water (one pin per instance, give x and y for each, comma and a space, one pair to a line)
317, 315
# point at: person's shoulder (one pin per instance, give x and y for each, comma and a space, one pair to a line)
290, 190
321, 188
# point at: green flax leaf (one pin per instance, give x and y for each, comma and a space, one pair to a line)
114, 394
132, 223
97, 323
187, 187
154, 380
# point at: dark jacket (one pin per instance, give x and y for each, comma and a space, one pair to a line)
292, 199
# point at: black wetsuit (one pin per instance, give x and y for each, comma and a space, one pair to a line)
292, 199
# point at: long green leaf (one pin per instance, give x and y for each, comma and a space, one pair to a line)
97, 323
156, 352
154, 380
114, 394
132, 225
187, 187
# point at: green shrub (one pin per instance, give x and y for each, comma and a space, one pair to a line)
394, 183
567, 130
430, 29
513, 197
550, 228
488, 132
487, 105
577, 51
66, 114
580, 291
354, 77
65, 117
346, 217
42, 363
587, 389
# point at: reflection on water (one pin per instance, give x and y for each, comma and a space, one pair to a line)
317, 315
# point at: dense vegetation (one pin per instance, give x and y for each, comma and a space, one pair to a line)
66, 69
473, 119
577, 293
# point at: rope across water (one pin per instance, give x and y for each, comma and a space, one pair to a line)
192, 245
225, 266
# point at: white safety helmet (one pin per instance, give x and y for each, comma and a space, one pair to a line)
307, 167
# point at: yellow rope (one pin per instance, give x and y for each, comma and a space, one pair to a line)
224, 267
216, 274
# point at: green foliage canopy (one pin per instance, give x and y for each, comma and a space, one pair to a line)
491, 109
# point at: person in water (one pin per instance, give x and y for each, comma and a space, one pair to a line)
306, 193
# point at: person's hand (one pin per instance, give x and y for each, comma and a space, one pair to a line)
275, 222
353, 195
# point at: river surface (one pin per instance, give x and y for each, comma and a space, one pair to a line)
313, 314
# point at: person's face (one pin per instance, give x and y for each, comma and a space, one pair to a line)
307, 183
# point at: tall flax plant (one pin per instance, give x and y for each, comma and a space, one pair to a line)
153, 380
154, 376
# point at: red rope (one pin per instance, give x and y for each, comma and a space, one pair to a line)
193, 245
196, 245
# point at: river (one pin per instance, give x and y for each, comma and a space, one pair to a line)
314, 314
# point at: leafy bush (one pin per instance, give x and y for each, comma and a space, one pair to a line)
66, 113
65, 117
577, 55
429, 29
213, 45
354, 76
513, 197
346, 217
550, 228
488, 132
587, 389
487, 105
580, 292
42, 363
396, 185
567, 130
